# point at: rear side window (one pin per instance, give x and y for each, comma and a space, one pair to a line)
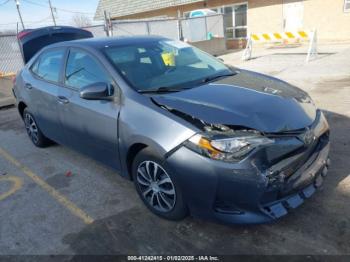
82, 70
48, 65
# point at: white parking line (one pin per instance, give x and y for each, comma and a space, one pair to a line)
53, 192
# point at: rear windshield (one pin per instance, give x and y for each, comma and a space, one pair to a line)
164, 63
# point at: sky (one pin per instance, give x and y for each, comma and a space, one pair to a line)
36, 13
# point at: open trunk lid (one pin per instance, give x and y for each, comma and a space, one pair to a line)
32, 40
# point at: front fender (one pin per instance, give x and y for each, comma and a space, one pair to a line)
141, 121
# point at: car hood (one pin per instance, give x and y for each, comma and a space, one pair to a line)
246, 99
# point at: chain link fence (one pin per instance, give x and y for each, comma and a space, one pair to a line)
97, 30
191, 30
202, 28
164, 27
10, 55
129, 28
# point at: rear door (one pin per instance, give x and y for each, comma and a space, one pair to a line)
91, 125
41, 84
33, 40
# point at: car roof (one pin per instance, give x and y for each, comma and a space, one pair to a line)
100, 42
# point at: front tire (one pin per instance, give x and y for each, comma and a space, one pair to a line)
33, 130
157, 186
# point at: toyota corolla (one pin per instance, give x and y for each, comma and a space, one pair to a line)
195, 136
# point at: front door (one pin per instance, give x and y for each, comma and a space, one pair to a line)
293, 15
90, 125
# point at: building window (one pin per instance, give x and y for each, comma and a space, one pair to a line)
235, 21
346, 5
235, 17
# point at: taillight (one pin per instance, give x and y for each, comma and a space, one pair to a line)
23, 34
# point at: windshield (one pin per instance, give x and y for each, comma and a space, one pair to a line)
164, 64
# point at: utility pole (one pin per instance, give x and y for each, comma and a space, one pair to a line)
53, 16
19, 13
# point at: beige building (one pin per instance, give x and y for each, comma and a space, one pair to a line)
331, 18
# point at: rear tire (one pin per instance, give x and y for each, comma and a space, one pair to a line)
157, 186
33, 130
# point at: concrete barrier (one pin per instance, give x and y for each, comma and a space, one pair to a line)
214, 46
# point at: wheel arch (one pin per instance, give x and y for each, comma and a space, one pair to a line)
139, 144
21, 106
131, 154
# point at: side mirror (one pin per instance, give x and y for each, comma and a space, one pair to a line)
96, 91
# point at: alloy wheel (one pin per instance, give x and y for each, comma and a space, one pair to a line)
156, 186
31, 128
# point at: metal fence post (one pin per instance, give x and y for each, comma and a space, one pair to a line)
110, 23
148, 29
179, 30
206, 27
106, 23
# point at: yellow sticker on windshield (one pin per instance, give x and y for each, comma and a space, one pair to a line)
168, 59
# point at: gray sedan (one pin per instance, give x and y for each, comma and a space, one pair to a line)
194, 135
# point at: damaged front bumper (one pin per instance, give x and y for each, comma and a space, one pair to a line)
303, 185
245, 192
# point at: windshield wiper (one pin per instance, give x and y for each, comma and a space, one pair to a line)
75, 72
160, 90
212, 78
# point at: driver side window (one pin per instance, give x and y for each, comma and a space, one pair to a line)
82, 70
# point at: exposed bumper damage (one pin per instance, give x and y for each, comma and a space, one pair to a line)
266, 185
303, 182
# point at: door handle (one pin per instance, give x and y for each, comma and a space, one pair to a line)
28, 86
62, 100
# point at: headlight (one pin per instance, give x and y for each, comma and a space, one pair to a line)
230, 149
